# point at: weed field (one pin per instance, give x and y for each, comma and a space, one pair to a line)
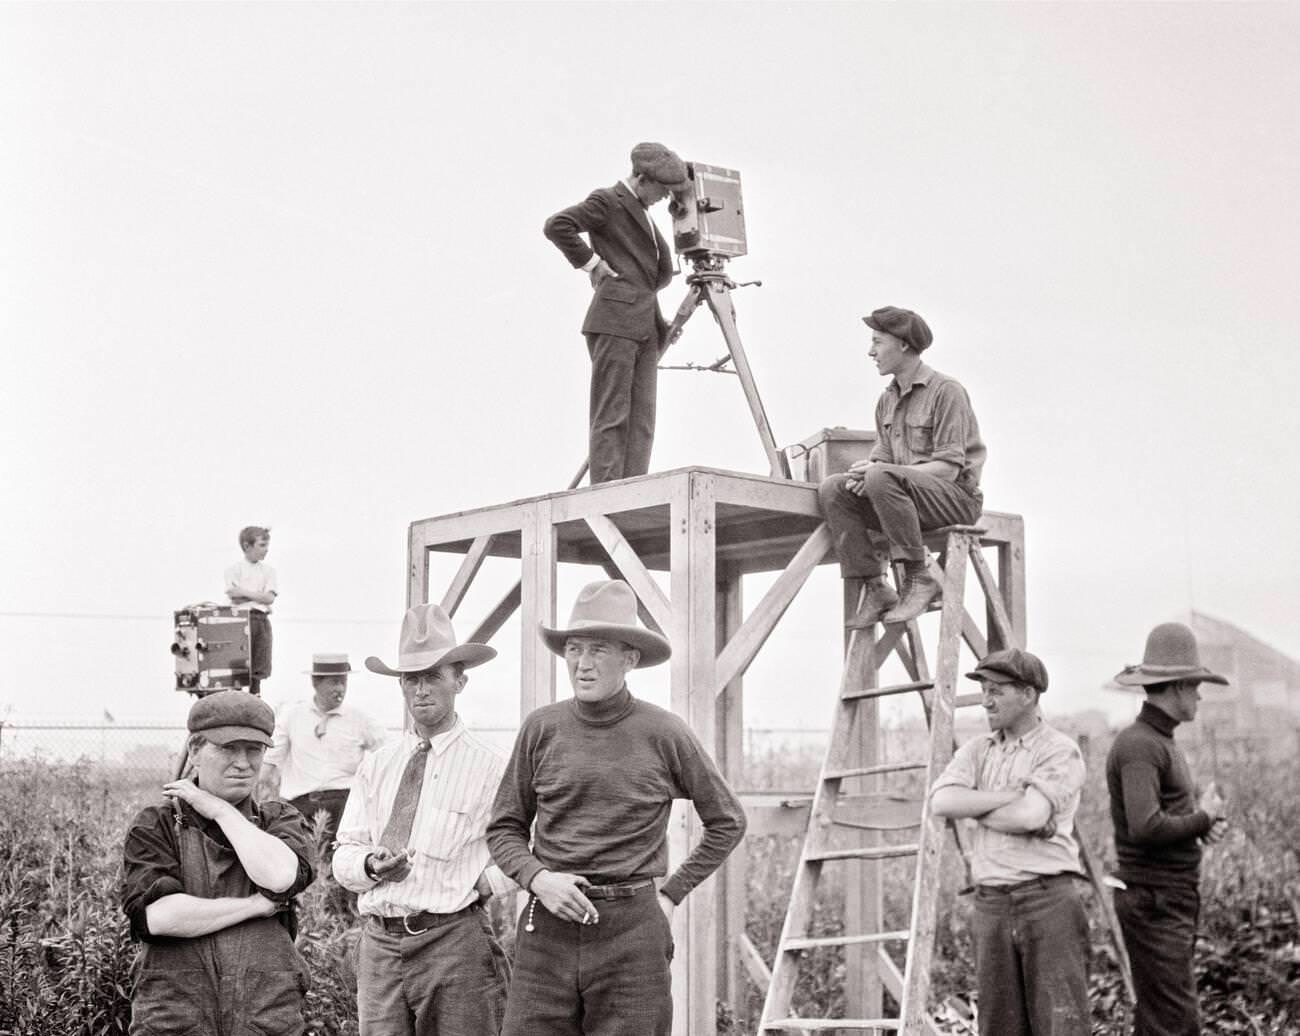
65, 959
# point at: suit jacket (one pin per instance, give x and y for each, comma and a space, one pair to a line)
619, 227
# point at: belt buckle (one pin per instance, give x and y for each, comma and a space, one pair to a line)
407, 925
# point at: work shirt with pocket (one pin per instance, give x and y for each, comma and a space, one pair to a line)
932, 420
448, 834
1043, 759
245, 980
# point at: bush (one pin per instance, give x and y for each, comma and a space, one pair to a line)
65, 959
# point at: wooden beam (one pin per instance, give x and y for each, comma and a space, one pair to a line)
630, 567
465, 574
999, 620
417, 570
498, 616
537, 603
735, 658
692, 529
729, 728
755, 966
1011, 576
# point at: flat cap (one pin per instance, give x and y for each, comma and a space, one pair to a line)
227, 716
659, 164
1012, 666
903, 324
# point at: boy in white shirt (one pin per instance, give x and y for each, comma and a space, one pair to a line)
251, 587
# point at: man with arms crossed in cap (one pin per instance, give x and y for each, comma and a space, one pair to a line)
208, 880
1021, 784
411, 843
923, 473
1159, 828
628, 261
598, 773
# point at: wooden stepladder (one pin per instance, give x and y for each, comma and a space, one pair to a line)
880, 812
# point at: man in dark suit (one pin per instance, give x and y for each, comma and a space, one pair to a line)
628, 261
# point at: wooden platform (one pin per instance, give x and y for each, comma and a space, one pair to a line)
706, 528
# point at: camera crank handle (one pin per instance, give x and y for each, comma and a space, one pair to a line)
747, 284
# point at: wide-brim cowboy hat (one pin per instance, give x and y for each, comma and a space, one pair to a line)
1171, 654
427, 639
607, 610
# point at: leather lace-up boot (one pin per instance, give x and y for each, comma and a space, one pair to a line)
920, 591
879, 598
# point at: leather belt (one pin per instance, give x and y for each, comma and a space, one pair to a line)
419, 923
1043, 881
620, 891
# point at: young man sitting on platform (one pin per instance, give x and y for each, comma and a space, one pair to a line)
923, 473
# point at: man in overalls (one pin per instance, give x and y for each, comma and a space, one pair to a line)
208, 882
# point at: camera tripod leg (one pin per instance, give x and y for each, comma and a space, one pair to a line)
724, 312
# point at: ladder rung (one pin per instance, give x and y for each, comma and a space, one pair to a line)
875, 852
831, 1024
902, 935
963, 701
871, 771
881, 692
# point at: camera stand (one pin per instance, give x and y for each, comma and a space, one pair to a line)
710, 284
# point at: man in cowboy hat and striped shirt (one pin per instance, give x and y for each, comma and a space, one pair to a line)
1160, 825
412, 844
598, 774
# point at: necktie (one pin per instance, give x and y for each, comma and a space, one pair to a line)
397, 832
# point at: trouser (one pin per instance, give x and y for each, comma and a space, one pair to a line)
886, 523
1031, 959
259, 649
624, 382
447, 981
606, 979
1159, 926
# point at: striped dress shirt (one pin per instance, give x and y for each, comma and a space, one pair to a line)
448, 834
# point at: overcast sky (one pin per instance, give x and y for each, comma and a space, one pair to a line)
283, 264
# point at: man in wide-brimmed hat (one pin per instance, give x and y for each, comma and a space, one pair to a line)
628, 261
317, 747
209, 880
412, 843
1021, 784
598, 773
922, 473
1160, 824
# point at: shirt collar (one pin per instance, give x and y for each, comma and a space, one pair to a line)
632, 191
1157, 718
1027, 739
439, 743
921, 377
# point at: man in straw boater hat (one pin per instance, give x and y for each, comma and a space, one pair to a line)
628, 262
922, 473
1160, 825
411, 843
598, 774
1021, 784
317, 747
208, 884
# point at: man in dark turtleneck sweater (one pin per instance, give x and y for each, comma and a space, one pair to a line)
598, 773
1159, 827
